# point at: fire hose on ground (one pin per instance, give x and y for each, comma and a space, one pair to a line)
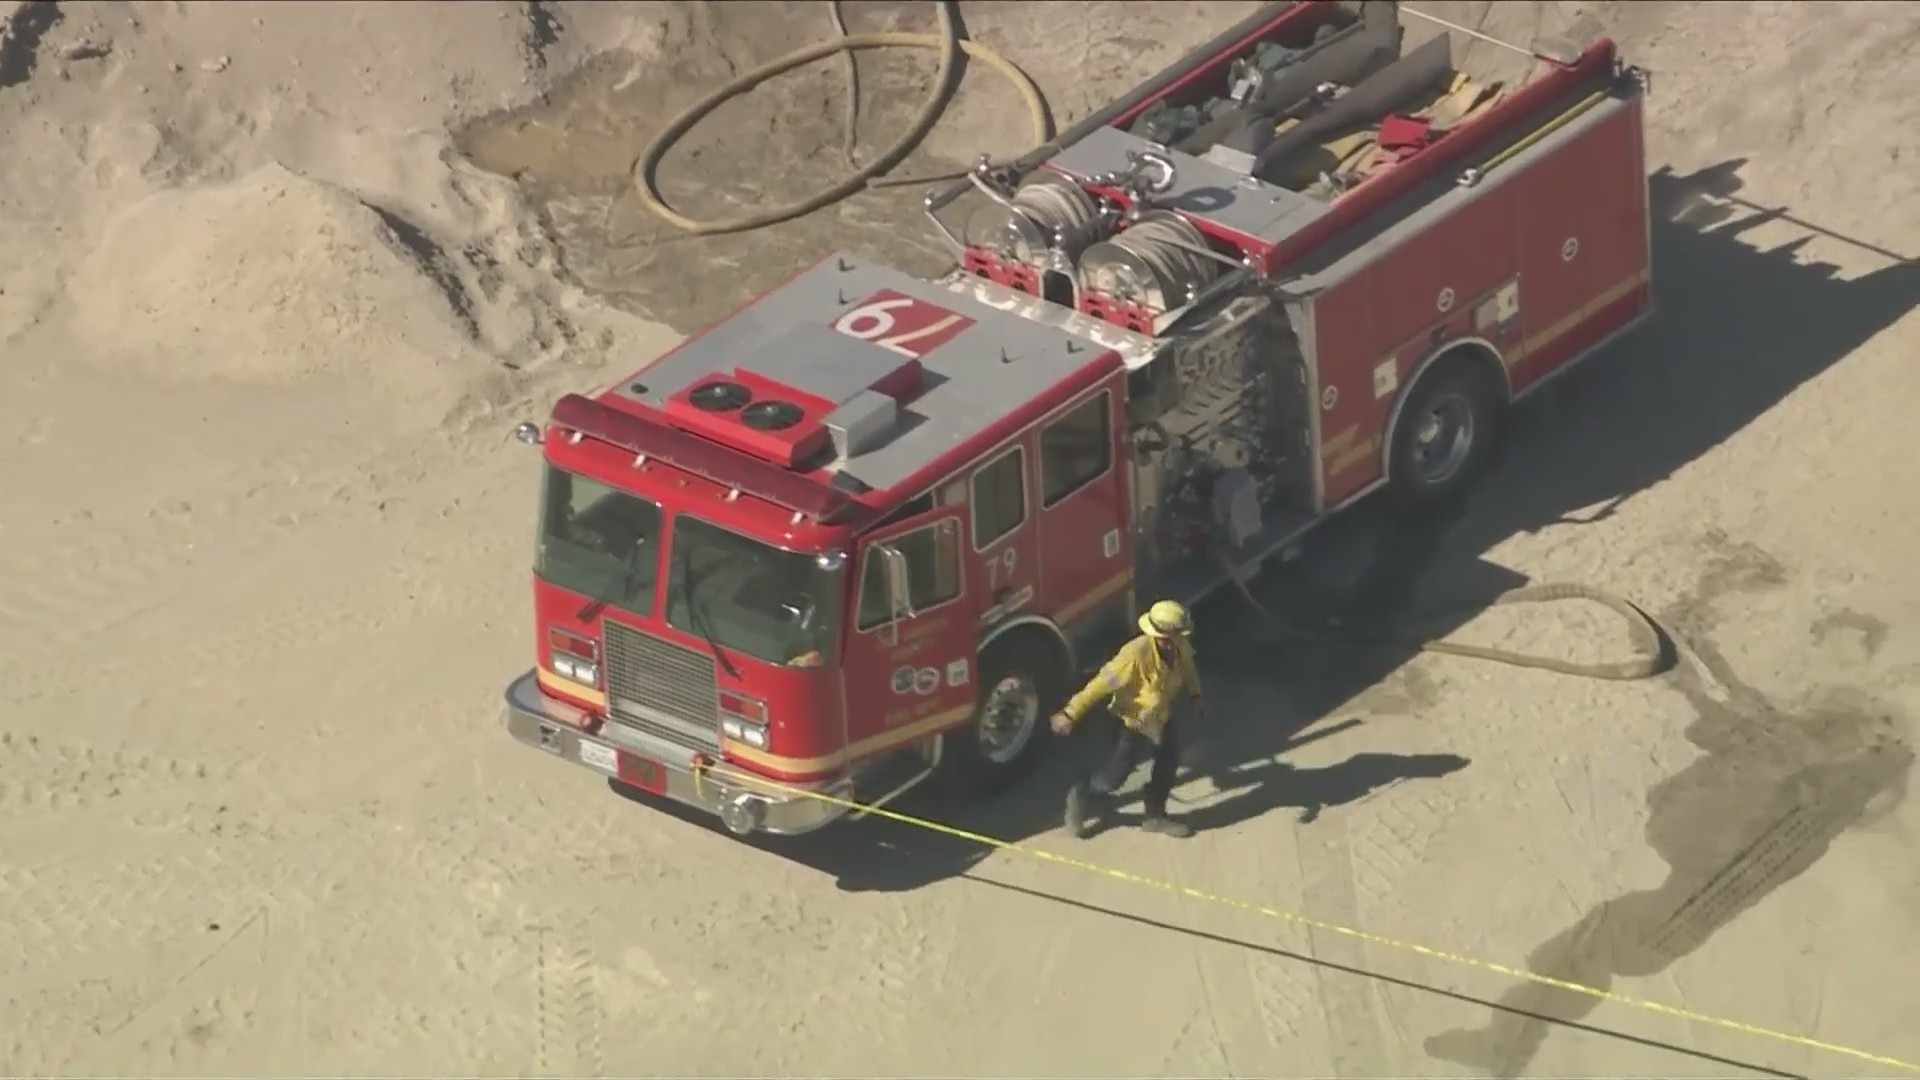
1651, 652
950, 45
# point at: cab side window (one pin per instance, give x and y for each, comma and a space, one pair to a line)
999, 498
1075, 449
933, 572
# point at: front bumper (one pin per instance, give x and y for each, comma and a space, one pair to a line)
662, 769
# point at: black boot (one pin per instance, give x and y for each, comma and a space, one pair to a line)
1076, 814
1159, 823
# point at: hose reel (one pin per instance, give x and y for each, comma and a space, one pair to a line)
1047, 222
1155, 262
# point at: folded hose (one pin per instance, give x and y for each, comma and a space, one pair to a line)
950, 46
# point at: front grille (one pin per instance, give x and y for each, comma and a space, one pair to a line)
662, 689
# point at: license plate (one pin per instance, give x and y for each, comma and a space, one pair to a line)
604, 758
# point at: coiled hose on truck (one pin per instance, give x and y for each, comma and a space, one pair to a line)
1651, 655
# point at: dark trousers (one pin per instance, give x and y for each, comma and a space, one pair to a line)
1113, 749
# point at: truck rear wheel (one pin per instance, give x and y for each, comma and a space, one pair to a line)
1445, 433
1021, 683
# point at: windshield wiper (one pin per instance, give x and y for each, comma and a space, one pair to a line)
629, 582
694, 615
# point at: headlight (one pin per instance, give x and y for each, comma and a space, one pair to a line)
575, 656
743, 719
754, 735
585, 672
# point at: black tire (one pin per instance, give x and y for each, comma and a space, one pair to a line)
1445, 434
972, 765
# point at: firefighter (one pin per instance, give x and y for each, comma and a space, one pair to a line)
1131, 702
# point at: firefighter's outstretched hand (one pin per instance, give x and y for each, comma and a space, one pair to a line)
1061, 725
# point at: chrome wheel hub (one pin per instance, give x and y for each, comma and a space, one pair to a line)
1442, 439
1008, 718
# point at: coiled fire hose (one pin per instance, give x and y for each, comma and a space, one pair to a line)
947, 41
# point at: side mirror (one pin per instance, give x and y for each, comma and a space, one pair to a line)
899, 597
529, 432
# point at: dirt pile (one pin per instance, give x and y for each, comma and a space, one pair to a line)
272, 279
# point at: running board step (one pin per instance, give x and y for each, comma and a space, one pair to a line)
883, 780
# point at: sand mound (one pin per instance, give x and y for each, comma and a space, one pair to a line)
271, 279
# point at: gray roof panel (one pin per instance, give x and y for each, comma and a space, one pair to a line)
1015, 349
813, 358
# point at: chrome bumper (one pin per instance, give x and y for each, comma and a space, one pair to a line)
742, 806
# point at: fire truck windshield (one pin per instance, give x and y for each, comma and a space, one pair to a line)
749, 597
598, 541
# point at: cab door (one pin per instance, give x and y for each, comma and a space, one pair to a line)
908, 666
1002, 535
1082, 488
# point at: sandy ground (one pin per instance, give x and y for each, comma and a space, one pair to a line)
275, 281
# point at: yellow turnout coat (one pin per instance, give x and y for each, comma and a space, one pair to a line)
1139, 687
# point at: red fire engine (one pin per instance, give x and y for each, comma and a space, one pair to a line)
867, 529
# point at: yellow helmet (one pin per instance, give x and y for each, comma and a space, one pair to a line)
1167, 618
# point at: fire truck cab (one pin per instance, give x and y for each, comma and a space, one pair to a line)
869, 529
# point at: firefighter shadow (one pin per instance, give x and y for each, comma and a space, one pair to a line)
1255, 791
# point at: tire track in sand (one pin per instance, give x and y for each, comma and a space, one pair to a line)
1357, 859
110, 899
567, 1002
102, 571
92, 575
269, 631
1281, 994
53, 774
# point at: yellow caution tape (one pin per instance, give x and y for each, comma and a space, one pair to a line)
1335, 928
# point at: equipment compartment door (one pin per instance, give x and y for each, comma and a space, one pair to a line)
909, 659
1555, 222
